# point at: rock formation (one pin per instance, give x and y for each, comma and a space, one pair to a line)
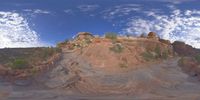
84, 35
152, 35
184, 50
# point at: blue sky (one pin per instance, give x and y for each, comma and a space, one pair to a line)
28, 23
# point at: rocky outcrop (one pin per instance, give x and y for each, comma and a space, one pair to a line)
84, 35
165, 41
152, 35
184, 50
190, 66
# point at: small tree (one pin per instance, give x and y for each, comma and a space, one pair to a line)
19, 64
143, 35
117, 48
112, 36
158, 51
197, 57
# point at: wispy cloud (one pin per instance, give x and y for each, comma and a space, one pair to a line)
173, 1
86, 8
179, 25
121, 10
37, 11
68, 11
15, 31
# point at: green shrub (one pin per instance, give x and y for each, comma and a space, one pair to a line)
148, 56
88, 41
181, 62
19, 64
143, 35
123, 65
33, 71
198, 58
62, 44
165, 54
48, 52
158, 51
117, 48
58, 50
112, 36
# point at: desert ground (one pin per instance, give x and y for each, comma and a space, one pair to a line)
97, 73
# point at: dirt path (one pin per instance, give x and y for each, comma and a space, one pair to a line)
75, 79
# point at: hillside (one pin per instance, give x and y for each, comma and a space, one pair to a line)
120, 52
110, 68
23, 62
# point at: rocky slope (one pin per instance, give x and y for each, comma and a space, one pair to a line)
111, 68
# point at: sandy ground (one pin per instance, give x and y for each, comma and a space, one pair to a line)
75, 79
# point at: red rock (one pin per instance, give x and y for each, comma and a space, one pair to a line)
184, 50
3, 70
152, 35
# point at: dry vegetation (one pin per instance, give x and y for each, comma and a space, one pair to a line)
26, 60
109, 65
111, 50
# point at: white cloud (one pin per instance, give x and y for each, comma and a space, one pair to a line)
172, 7
37, 11
68, 11
174, 1
180, 25
27, 10
86, 8
121, 10
15, 31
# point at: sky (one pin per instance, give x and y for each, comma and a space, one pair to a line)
33, 23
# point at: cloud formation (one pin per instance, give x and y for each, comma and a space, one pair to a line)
15, 31
179, 25
86, 8
121, 10
68, 11
37, 11
173, 1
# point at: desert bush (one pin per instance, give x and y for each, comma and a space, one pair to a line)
165, 54
62, 44
88, 40
143, 35
19, 64
123, 65
58, 50
34, 71
117, 48
197, 57
48, 52
112, 36
181, 61
158, 51
148, 56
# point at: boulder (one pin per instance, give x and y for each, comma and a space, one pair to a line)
84, 35
152, 35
